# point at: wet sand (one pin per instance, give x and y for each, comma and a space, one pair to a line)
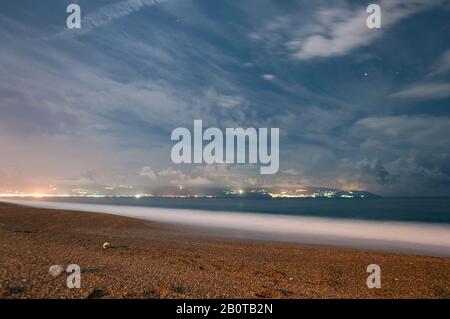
154, 260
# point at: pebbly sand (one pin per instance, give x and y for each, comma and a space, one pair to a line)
154, 260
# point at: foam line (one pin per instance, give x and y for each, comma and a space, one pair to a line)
421, 238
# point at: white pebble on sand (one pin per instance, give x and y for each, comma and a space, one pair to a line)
56, 270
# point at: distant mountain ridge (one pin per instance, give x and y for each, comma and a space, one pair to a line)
260, 192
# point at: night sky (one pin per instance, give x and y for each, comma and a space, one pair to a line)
94, 108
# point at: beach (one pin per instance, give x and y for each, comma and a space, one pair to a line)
148, 259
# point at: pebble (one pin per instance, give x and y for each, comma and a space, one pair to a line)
56, 270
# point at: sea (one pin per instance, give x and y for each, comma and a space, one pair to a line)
427, 210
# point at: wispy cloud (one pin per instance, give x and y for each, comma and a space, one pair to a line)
107, 101
268, 77
170, 175
109, 13
425, 91
442, 65
336, 31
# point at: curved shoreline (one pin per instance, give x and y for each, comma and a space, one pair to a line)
404, 237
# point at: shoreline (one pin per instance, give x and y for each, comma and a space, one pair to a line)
386, 236
156, 260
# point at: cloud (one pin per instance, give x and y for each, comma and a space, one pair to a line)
418, 130
231, 175
442, 65
412, 150
396, 176
229, 102
336, 31
173, 176
268, 77
425, 91
108, 14
371, 169
107, 101
148, 172
291, 172
407, 171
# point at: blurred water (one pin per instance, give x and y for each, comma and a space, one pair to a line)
392, 233
427, 210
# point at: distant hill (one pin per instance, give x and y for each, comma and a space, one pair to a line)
260, 192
